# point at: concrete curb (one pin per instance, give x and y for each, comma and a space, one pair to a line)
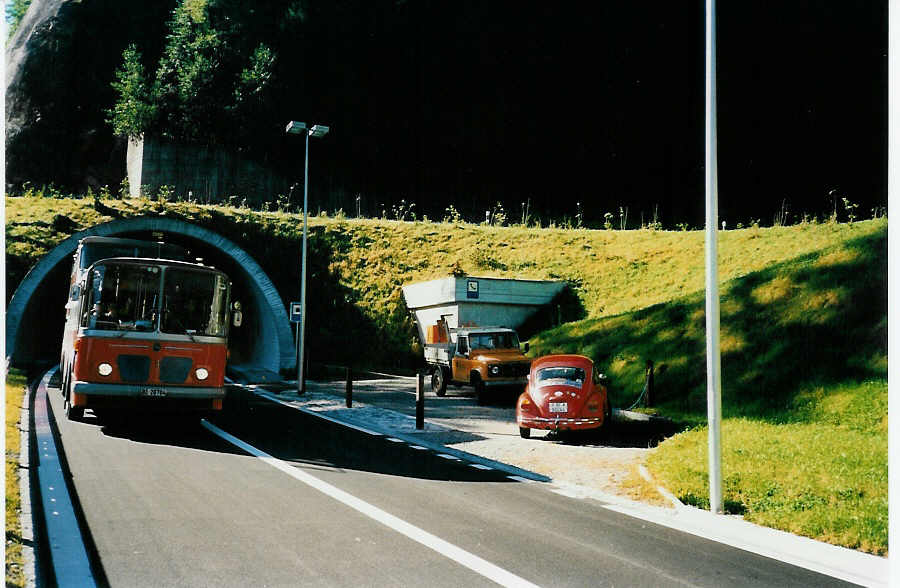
26, 515
645, 473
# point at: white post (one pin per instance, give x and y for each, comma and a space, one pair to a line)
301, 385
713, 357
893, 116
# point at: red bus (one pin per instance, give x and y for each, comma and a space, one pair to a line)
145, 329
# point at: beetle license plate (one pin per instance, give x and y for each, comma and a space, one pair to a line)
153, 392
559, 407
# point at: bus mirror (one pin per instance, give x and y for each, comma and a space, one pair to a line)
527, 346
237, 318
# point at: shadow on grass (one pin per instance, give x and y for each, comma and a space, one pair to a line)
817, 320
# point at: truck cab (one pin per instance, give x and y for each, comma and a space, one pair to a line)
467, 326
482, 357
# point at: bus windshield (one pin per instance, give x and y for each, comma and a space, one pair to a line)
151, 297
194, 302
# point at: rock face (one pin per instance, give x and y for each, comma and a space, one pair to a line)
59, 67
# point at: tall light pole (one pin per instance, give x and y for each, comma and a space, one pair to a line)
713, 353
318, 131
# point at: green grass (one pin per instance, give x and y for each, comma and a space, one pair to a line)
824, 478
804, 331
358, 265
15, 392
804, 363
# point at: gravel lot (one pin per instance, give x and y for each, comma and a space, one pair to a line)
608, 464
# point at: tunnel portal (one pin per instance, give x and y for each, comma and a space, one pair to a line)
260, 348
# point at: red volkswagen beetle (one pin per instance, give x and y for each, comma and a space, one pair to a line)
564, 392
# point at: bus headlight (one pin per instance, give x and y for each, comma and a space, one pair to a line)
494, 369
201, 373
104, 369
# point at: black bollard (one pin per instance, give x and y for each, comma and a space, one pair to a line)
349, 388
649, 398
420, 401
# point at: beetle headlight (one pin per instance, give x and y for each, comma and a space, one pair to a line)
201, 373
104, 369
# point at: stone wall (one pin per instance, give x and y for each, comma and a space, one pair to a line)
202, 173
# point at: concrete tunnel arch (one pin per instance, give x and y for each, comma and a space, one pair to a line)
270, 346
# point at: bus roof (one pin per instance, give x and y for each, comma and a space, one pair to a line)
167, 262
93, 249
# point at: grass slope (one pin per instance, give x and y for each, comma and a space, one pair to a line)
15, 394
804, 329
804, 364
358, 265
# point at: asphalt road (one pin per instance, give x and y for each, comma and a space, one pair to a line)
171, 504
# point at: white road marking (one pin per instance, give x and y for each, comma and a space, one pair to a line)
445, 548
448, 456
395, 440
419, 447
520, 479
480, 466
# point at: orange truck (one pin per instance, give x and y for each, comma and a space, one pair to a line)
468, 329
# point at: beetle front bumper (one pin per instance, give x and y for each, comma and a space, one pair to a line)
560, 423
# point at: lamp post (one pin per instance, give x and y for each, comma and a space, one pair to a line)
318, 131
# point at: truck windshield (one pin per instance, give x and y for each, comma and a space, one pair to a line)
150, 297
494, 341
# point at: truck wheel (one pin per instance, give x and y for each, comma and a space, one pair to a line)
479, 390
439, 381
524, 432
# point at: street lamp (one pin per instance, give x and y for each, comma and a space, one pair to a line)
318, 131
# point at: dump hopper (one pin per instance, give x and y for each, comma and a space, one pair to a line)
474, 301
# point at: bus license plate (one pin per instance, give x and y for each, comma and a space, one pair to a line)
559, 407
153, 392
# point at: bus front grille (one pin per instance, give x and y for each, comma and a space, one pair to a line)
174, 370
134, 368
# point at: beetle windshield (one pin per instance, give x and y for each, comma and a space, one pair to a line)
493, 341
572, 376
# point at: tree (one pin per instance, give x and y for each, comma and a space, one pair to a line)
15, 11
208, 86
133, 112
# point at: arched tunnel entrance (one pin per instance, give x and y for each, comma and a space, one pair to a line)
260, 348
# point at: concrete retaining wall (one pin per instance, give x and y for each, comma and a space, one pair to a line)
203, 173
